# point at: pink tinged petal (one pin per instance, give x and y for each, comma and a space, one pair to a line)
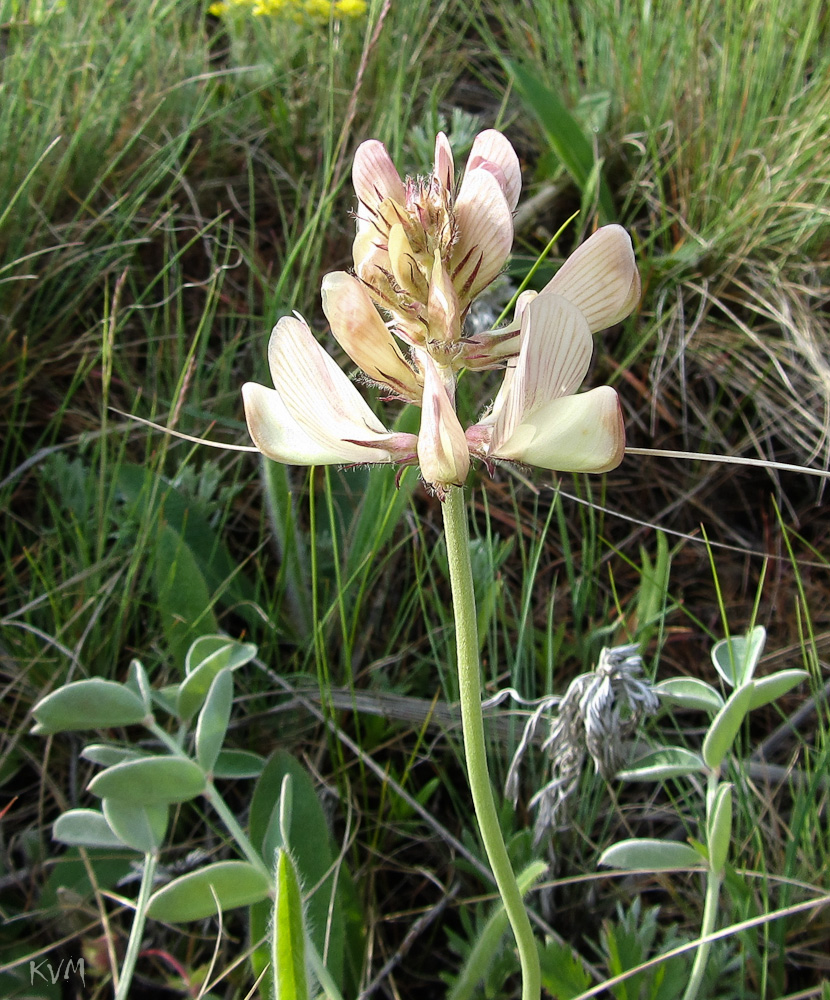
444, 170
601, 278
492, 151
503, 398
371, 243
319, 397
553, 360
485, 234
442, 447
478, 439
410, 329
522, 302
485, 353
374, 175
400, 447
492, 348
583, 433
375, 270
360, 331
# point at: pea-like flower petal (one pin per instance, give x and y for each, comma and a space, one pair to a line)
600, 277
375, 176
360, 331
535, 418
485, 233
443, 453
314, 415
553, 360
492, 151
583, 433
444, 169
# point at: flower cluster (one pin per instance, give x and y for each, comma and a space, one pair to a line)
424, 249
320, 10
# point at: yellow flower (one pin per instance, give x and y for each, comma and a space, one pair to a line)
350, 8
319, 9
298, 10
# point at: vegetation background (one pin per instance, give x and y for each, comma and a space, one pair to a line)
171, 182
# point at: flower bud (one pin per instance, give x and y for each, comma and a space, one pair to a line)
442, 447
443, 309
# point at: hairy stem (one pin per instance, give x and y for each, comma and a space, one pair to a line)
710, 905
710, 913
469, 681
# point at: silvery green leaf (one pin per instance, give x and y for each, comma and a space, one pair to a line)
226, 885
138, 680
238, 764
107, 754
769, 688
85, 828
667, 762
719, 827
736, 658
643, 854
213, 719
726, 724
220, 651
150, 780
689, 692
141, 827
167, 698
220, 654
90, 704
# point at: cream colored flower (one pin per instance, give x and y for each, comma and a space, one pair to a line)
536, 419
443, 453
361, 332
314, 415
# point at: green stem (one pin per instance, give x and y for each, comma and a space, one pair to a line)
137, 930
710, 905
710, 913
235, 830
218, 803
469, 682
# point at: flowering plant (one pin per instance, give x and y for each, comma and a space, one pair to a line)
424, 249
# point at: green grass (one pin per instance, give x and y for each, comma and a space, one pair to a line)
173, 185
